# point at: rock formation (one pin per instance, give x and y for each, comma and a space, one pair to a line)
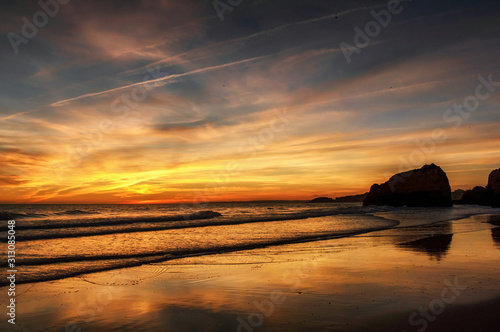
427, 186
478, 195
457, 194
484, 196
494, 182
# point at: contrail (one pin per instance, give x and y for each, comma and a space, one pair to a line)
14, 115
156, 80
261, 33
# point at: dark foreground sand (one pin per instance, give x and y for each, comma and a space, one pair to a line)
443, 277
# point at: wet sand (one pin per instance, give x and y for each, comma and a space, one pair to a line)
444, 277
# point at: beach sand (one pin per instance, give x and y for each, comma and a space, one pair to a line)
440, 277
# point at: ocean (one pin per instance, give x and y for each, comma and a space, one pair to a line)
60, 241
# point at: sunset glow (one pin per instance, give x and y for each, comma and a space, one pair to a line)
95, 110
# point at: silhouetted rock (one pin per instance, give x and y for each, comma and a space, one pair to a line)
457, 194
322, 200
489, 196
478, 195
494, 181
352, 198
427, 186
6, 215
494, 187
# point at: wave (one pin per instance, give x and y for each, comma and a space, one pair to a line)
73, 212
74, 230
117, 222
40, 266
129, 260
27, 215
4, 215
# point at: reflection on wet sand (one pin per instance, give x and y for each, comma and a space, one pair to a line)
494, 219
495, 234
435, 246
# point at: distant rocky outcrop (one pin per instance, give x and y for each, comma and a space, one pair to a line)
343, 199
489, 195
322, 200
427, 186
352, 198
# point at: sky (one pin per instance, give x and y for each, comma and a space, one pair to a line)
191, 101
